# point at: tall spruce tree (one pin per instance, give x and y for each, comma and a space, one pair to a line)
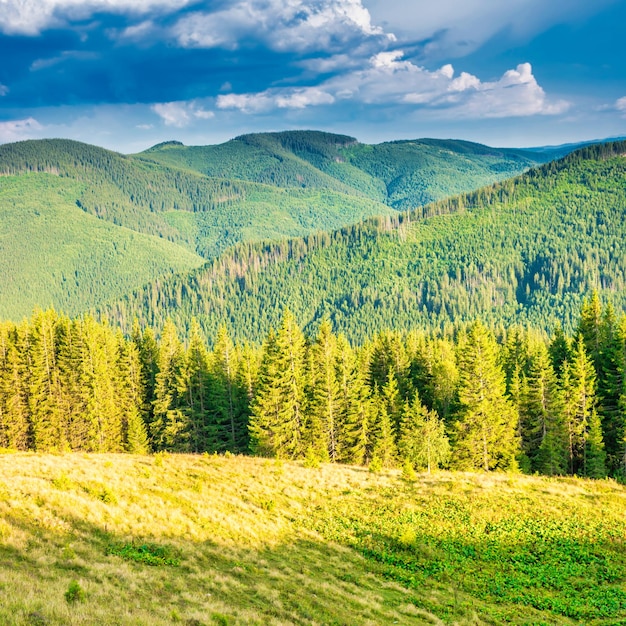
14, 418
544, 432
279, 407
355, 404
48, 421
485, 432
196, 396
325, 401
131, 397
170, 429
579, 394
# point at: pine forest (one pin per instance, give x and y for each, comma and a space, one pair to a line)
473, 400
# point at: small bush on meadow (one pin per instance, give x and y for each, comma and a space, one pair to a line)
74, 593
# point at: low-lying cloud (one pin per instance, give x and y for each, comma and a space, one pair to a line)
17, 130
389, 79
181, 114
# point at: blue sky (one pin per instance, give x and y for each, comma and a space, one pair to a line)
126, 74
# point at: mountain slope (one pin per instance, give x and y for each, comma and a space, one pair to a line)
64, 207
54, 254
203, 214
402, 174
251, 541
526, 250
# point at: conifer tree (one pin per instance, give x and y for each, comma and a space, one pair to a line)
131, 397
589, 327
49, 430
355, 405
101, 415
544, 431
14, 418
70, 355
559, 350
325, 393
445, 377
423, 442
279, 408
228, 420
485, 432
393, 402
382, 448
611, 379
197, 390
579, 393
148, 356
595, 456
170, 429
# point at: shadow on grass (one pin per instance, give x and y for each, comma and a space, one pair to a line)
301, 582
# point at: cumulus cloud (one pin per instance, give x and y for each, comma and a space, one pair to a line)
31, 17
620, 105
181, 114
292, 25
16, 130
4, 90
389, 79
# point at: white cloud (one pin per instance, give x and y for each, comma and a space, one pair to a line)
458, 28
4, 90
291, 98
295, 25
620, 105
17, 130
30, 17
66, 55
391, 80
180, 114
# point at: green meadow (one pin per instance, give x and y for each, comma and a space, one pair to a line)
166, 539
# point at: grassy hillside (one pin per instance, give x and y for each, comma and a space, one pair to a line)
402, 174
526, 251
53, 253
121, 539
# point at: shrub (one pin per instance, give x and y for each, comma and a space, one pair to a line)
74, 593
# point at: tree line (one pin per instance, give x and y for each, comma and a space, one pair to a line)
474, 399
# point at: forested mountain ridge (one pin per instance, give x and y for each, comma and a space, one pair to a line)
82, 225
204, 214
65, 205
527, 250
403, 174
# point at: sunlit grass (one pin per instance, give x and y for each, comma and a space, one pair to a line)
252, 541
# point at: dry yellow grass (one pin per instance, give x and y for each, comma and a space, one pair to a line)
244, 558
244, 530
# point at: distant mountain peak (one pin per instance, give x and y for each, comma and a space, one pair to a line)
167, 144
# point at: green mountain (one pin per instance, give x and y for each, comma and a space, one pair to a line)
82, 225
53, 253
525, 250
402, 174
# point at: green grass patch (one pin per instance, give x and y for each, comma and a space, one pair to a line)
146, 553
